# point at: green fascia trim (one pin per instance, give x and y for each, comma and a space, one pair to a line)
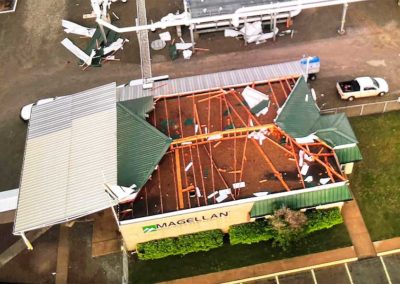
300, 112
259, 107
140, 106
301, 200
140, 148
348, 155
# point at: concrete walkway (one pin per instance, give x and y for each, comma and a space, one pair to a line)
19, 246
291, 264
63, 256
387, 246
357, 230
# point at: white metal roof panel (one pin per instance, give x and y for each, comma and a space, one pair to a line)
213, 81
71, 150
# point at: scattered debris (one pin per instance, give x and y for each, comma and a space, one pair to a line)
239, 185
72, 28
258, 102
261, 193
324, 180
78, 52
166, 36
183, 46
187, 54
188, 166
158, 44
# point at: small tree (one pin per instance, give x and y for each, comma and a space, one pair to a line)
288, 226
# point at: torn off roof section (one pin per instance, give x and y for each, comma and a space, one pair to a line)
70, 153
300, 117
140, 145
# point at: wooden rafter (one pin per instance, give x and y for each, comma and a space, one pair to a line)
269, 162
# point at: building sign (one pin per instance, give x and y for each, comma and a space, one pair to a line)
186, 221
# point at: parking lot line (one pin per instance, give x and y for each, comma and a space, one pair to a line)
348, 273
386, 272
313, 276
276, 279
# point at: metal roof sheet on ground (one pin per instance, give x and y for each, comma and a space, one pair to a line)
302, 200
69, 153
214, 81
140, 148
206, 8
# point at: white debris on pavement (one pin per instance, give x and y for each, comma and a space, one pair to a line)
78, 52
72, 28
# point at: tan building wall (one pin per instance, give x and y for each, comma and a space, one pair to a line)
187, 223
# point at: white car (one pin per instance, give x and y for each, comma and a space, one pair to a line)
26, 110
362, 87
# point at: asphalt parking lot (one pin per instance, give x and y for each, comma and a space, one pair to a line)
35, 65
378, 270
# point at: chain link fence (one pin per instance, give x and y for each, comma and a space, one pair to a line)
366, 109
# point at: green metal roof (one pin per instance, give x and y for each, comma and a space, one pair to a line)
301, 200
260, 106
334, 129
140, 147
300, 117
300, 112
140, 106
348, 155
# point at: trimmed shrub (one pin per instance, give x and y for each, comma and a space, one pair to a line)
249, 233
322, 219
262, 230
202, 241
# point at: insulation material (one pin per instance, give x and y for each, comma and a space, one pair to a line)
188, 166
251, 29
324, 180
78, 52
225, 191
183, 46
307, 139
221, 198
261, 193
304, 169
212, 194
72, 28
239, 185
187, 54
166, 36
232, 33
253, 97
309, 179
301, 158
198, 193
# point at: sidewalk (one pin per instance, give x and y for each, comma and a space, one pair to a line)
284, 265
357, 230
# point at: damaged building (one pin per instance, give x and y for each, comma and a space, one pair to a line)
189, 155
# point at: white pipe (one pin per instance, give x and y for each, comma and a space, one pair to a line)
247, 12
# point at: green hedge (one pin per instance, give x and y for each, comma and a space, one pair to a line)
249, 233
261, 230
202, 241
322, 219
